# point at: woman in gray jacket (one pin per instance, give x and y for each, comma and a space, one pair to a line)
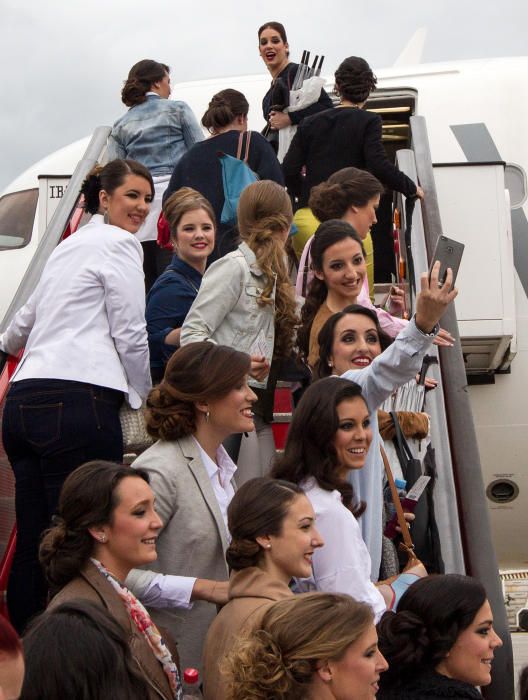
246, 301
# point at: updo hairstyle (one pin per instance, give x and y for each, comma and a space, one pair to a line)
326, 337
264, 212
258, 508
223, 109
431, 615
295, 637
348, 187
354, 79
109, 178
309, 451
328, 233
87, 500
182, 201
141, 78
196, 372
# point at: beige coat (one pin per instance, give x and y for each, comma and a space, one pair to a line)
251, 592
91, 585
192, 542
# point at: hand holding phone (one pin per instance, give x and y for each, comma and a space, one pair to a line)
449, 253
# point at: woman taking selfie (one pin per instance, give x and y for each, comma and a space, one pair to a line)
203, 398
247, 301
312, 646
107, 524
273, 537
86, 349
440, 643
191, 222
155, 131
313, 450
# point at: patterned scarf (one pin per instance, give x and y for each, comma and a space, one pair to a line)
147, 628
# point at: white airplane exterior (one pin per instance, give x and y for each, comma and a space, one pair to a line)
476, 113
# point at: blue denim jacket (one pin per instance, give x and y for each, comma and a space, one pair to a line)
156, 132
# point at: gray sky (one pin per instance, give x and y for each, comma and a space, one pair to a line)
62, 64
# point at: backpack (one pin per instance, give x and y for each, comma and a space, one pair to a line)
236, 175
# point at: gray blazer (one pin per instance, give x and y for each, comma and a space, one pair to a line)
193, 540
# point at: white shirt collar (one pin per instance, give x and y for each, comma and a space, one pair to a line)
225, 468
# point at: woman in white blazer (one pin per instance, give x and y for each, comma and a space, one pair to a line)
85, 340
203, 398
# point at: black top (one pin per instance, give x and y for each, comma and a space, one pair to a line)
200, 169
340, 138
430, 685
279, 96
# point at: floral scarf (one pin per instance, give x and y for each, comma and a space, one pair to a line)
147, 628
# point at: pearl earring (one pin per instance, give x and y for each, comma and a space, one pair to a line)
207, 414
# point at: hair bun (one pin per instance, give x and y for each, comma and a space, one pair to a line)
242, 553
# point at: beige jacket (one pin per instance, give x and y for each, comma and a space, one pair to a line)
251, 592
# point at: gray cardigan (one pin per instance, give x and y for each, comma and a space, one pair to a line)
192, 542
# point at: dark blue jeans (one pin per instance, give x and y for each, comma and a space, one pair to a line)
50, 427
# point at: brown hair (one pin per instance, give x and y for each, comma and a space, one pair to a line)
354, 79
196, 372
182, 201
224, 108
265, 210
109, 178
87, 499
140, 79
258, 508
348, 187
295, 635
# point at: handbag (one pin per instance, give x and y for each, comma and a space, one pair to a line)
407, 545
135, 436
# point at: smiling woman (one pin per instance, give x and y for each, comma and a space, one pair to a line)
441, 642
79, 362
106, 525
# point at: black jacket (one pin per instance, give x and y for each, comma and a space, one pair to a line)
429, 685
340, 138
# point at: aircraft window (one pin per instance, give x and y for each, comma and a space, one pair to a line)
515, 179
17, 214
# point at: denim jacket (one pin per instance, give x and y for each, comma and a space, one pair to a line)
226, 310
156, 133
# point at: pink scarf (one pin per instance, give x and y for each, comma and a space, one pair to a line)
148, 629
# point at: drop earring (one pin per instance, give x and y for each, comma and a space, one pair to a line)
207, 414
105, 217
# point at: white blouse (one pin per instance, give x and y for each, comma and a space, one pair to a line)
342, 565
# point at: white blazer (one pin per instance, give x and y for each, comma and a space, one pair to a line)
85, 321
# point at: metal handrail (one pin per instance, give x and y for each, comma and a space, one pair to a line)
479, 552
56, 226
444, 494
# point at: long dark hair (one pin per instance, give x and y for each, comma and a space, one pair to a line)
88, 498
431, 614
348, 187
309, 450
326, 337
77, 650
258, 508
196, 372
328, 233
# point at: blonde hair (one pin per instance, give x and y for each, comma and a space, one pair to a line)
180, 202
265, 210
295, 635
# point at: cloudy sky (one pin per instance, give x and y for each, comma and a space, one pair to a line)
62, 64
